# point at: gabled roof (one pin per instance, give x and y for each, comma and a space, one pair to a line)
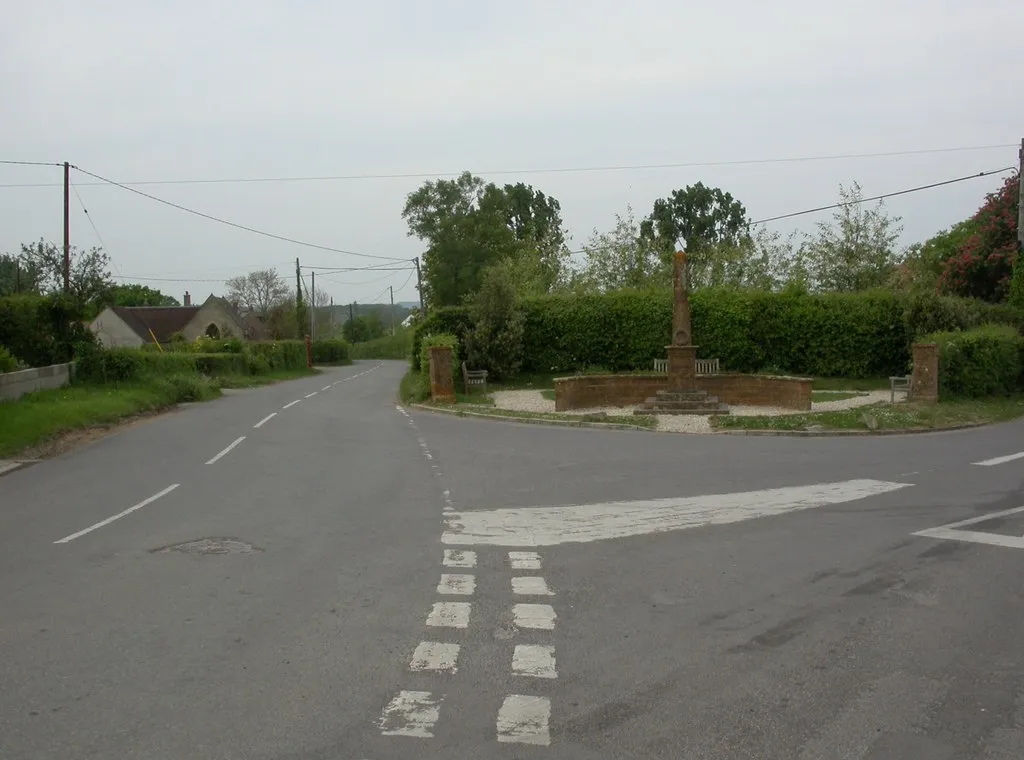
164, 321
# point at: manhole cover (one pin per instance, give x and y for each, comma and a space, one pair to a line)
205, 546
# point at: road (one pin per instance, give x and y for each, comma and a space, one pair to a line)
351, 579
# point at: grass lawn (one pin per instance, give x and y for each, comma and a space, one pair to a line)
887, 417
835, 395
850, 384
611, 419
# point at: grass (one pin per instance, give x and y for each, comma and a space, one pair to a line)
884, 416
256, 381
396, 346
850, 384
835, 395
611, 419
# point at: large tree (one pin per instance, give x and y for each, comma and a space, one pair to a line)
620, 258
696, 219
258, 292
18, 275
469, 225
858, 250
132, 294
89, 270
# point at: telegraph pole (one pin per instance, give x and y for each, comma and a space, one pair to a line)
1020, 196
419, 287
298, 299
312, 310
392, 289
351, 313
67, 228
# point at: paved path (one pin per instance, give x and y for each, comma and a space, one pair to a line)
342, 578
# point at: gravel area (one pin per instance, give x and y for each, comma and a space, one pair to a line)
533, 401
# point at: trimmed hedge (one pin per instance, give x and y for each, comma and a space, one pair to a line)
202, 345
42, 330
985, 361
852, 335
397, 346
281, 354
330, 351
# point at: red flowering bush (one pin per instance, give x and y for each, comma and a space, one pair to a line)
983, 265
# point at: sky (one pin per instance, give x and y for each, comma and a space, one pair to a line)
161, 92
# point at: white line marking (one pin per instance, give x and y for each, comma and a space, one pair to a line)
548, 526
524, 720
524, 560
459, 558
292, 403
449, 615
310, 395
950, 532
540, 617
1000, 460
227, 448
435, 655
531, 586
119, 515
265, 420
411, 713
326, 388
461, 585
534, 661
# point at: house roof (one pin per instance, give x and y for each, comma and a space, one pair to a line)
164, 321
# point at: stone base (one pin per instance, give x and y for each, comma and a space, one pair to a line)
682, 402
682, 367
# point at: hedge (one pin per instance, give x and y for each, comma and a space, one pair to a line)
281, 354
7, 361
330, 351
41, 330
985, 361
865, 334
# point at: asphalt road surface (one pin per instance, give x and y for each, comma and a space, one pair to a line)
349, 579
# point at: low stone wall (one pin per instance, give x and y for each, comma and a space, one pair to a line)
587, 391
16, 384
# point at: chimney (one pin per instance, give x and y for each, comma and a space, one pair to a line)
188, 299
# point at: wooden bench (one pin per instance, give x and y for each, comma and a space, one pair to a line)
898, 383
704, 366
473, 377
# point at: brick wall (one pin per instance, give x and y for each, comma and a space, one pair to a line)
588, 391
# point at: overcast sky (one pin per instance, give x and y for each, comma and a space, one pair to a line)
158, 90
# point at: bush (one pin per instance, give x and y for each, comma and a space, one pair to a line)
330, 351
219, 365
985, 361
202, 345
496, 341
397, 346
452, 320
42, 330
7, 361
281, 354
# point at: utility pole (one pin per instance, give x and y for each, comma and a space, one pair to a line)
312, 311
298, 298
1020, 196
332, 316
419, 287
392, 289
67, 228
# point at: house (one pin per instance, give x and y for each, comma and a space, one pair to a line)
133, 326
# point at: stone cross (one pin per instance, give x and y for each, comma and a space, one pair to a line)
681, 334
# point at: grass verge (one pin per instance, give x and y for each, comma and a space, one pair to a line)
850, 384
256, 381
611, 419
946, 414
835, 395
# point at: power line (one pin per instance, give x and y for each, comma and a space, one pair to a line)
235, 224
365, 282
375, 268
887, 195
541, 170
92, 224
31, 163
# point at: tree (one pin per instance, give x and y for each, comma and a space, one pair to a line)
696, 219
621, 258
496, 340
469, 226
320, 303
984, 262
18, 275
363, 328
258, 292
857, 251
762, 260
89, 271
131, 294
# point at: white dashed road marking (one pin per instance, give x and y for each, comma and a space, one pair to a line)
290, 404
1000, 460
265, 420
449, 615
227, 449
326, 388
524, 720
411, 713
457, 558
310, 395
118, 516
539, 617
460, 585
531, 586
534, 661
524, 560
435, 655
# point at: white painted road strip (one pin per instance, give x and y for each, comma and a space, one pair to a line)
549, 526
227, 448
538, 617
531, 586
310, 395
524, 560
449, 615
119, 515
438, 656
290, 404
524, 720
459, 558
534, 661
265, 420
1000, 460
952, 531
460, 585
326, 388
411, 713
